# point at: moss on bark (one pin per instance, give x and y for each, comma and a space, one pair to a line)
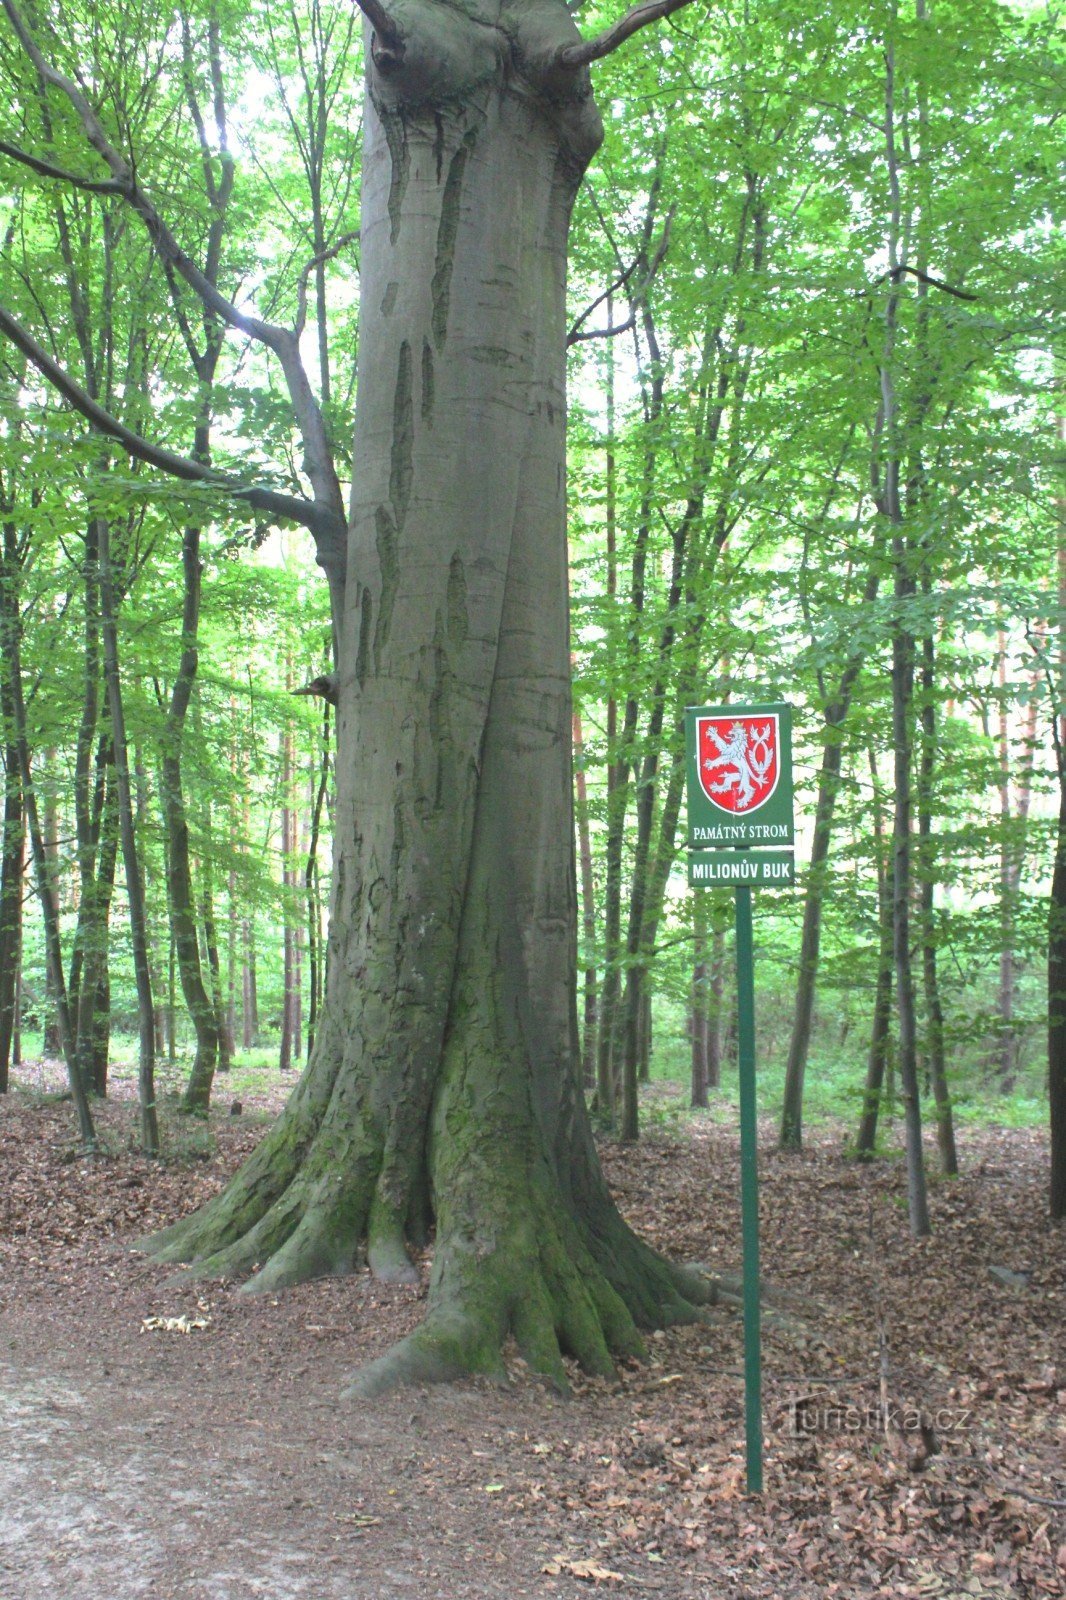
444, 1075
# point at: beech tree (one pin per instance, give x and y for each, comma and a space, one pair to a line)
444, 1081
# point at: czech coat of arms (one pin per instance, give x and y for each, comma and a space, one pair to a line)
737, 760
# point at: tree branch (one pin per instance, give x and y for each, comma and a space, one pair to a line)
317, 261
578, 335
283, 342
896, 273
584, 335
291, 507
580, 55
575, 336
126, 184
45, 169
388, 32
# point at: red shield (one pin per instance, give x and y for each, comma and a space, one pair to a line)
737, 760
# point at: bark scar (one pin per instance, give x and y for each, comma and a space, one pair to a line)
389, 562
403, 438
396, 138
447, 232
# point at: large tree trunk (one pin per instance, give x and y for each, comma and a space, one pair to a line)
446, 1062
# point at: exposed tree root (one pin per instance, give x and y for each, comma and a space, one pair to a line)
537, 1281
510, 1261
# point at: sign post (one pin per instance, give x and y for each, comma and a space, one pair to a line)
749, 1189
740, 797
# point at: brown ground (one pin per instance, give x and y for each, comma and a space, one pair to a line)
221, 1464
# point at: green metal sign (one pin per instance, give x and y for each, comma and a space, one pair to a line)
739, 775
740, 795
762, 869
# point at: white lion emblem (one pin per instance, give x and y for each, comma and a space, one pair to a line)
748, 752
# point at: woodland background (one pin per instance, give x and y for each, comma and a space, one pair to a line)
814, 443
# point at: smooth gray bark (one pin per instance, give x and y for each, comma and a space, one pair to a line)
447, 1055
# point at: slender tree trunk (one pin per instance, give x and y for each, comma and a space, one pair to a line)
299, 844
1057, 1010
290, 1044
155, 976
90, 935
201, 1008
232, 934
96, 823
16, 1030
249, 987
11, 858
214, 967
902, 721
717, 1011
791, 1134
1006, 1052
13, 849
53, 1030
232, 909
44, 877
699, 1003
881, 1022
616, 789
945, 1125
210, 928
172, 1000
96, 983
588, 910
1056, 966
130, 857
645, 1039
903, 649
315, 949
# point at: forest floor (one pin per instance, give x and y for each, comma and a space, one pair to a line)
210, 1456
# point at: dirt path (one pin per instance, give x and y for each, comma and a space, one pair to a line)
118, 1485
222, 1464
